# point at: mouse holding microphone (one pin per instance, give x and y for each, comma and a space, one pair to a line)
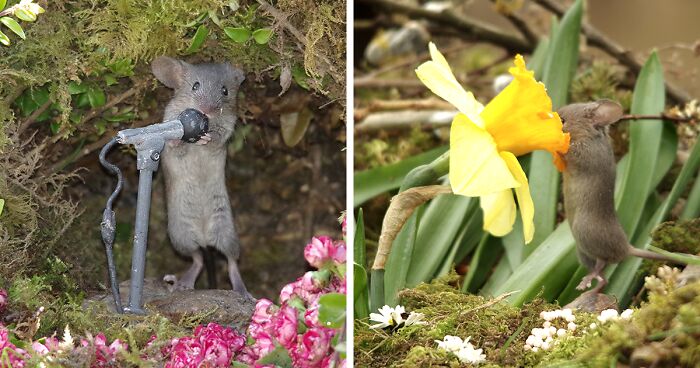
589, 186
198, 207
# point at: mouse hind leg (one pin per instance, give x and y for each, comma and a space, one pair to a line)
225, 238
595, 274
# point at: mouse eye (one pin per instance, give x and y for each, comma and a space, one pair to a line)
195, 86
224, 90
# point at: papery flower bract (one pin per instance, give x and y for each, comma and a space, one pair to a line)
484, 141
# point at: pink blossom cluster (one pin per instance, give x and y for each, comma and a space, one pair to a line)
210, 346
3, 301
9, 353
294, 325
105, 355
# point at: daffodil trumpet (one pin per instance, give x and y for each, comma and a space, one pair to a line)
485, 140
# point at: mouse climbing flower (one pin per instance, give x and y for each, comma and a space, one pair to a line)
485, 140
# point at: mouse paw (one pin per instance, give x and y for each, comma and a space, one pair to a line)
174, 142
585, 283
206, 138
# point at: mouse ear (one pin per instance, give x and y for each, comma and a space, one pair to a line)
607, 112
236, 75
169, 71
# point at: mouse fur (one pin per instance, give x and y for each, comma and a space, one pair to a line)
198, 206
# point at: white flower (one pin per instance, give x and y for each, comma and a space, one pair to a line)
571, 326
608, 315
627, 314
415, 319
451, 344
385, 317
396, 314
464, 350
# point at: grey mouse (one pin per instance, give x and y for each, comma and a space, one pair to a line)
199, 211
589, 185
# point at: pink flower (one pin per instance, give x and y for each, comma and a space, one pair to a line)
105, 356
15, 356
211, 346
339, 254
285, 326
314, 347
344, 225
3, 300
319, 251
50, 345
311, 316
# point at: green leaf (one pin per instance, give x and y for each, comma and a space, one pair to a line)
439, 226
96, 96
122, 67
359, 247
361, 293
399, 260
331, 310
278, 357
376, 289
75, 88
2, 201
238, 34
2, 4
692, 205
110, 79
262, 35
645, 140
82, 100
14, 26
101, 127
559, 68
55, 127
198, 40
300, 77
25, 15
4, 39
487, 253
370, 183
293, 125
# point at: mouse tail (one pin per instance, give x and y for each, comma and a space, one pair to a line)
661, 255
209, 256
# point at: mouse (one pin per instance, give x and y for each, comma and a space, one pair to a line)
199, 212
589, 189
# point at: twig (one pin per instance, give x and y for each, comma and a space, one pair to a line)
92, 147
490, 303
469, 26
522, 26
384, 105
405, 119
98, 111
657, 117
388, 83
32, 118
411, 61
625, 57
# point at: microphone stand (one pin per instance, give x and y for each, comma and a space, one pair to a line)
149, 143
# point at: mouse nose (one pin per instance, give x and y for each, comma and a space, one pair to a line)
209, 109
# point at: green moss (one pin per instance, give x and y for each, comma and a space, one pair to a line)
680, 236
497, 328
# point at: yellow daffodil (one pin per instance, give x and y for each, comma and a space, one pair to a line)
484, 141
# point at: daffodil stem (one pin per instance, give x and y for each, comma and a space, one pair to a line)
427, 174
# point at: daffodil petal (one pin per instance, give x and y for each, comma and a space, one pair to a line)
520, 118
476, 168
437, 76
527, 207
499, 212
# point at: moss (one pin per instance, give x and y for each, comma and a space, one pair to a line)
674, 236
497, 328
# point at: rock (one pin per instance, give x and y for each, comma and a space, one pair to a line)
593, 302
225, 307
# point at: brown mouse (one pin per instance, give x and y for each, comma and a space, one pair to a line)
589, 185
199, 211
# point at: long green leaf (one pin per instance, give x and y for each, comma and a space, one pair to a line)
498, 277
692, 205
487, 253
370, 183
439, 225
559, 68
376, 289
645, 140
361, 293
397, 265
465, 242
549, 267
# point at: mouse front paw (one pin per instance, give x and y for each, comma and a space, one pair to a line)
206, 138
